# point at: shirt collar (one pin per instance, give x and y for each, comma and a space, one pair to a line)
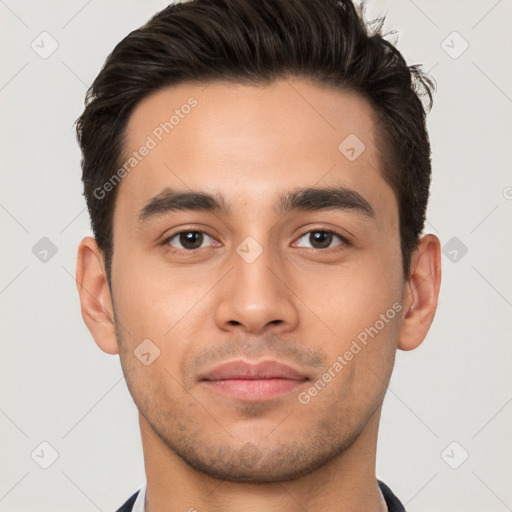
140, 502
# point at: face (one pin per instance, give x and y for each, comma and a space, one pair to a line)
269, 268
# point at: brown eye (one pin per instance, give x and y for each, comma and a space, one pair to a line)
320, 239
188, 240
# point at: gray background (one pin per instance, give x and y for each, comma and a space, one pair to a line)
449, 399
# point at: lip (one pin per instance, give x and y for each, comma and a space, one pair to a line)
239, 369
257, 382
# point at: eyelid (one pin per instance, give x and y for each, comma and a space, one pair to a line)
167, 239
344, 239
337, 232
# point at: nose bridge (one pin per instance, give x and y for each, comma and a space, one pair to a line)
254, 295
252, 263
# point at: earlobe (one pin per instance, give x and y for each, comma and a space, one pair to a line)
94, 293
421, 294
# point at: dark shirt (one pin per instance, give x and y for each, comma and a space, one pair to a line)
392, 502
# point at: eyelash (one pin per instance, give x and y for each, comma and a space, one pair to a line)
344, 240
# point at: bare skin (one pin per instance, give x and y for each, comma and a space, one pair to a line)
299, 302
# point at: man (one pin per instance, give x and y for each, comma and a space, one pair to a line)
257, 175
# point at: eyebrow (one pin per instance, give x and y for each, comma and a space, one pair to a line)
303, 199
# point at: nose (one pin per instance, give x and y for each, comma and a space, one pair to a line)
256, 297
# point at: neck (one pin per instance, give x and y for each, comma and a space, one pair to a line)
347, 483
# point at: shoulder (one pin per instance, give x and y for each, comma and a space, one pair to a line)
128, 505
393, 503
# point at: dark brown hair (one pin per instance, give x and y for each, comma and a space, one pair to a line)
257, 41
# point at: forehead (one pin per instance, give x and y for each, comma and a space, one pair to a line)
249, 143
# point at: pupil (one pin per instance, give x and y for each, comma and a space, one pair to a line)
321, 237
191, 239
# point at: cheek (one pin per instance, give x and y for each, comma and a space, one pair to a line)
152, 296
170, 306
348, 298
357, 316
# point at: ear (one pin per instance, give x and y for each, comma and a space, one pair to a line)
421, 293
94, 292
